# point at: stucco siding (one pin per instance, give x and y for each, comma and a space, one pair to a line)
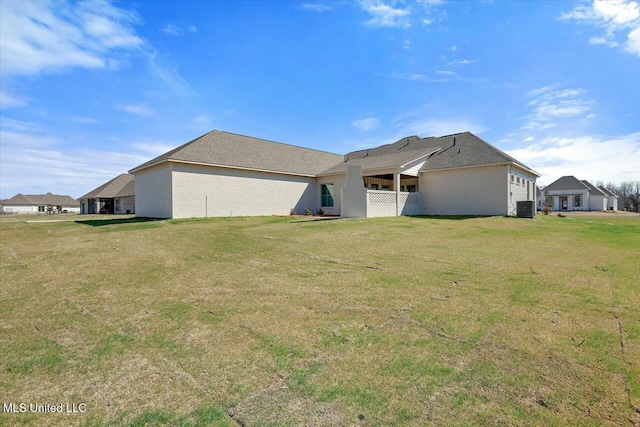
153, 192
597, 203
200, 191
469, 191
338, 182
20, 209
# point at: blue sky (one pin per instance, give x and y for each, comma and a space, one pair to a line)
91, 89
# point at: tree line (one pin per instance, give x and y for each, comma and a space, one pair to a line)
628, 193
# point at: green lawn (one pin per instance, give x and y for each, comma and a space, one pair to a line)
277, 321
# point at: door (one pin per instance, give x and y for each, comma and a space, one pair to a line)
564, 203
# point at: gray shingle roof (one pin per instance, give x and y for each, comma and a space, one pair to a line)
41, 200
593, 189
454, 151
120, 186
608, 192
568, 182
232, 150
380, 161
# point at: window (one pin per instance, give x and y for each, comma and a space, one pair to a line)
326, 195
117, 205
518, 181
577, 201
40, 208
512, 178
411, 188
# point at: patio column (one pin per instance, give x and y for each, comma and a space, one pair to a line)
396, 187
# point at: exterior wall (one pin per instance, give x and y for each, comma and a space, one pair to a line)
126, 204
338, 182
467, 191
522, 187
153, 191
597, 203
354, 195
71, 209
612, 203
20, 209
200, 191
569, 194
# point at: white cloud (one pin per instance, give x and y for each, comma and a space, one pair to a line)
466, 61
410, 76
153, 148
176, 30
415, 125
551, 103
138, 110
591, 157
35, 162
315, 7
445, 72
8, 100
368, 124
613, 16
633, 42
38, 36
603, 41
168, 74
427, 21
385, 15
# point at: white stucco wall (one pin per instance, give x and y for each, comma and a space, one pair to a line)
597, 203
524, 190
612, 203
468, 191
20, 209
200, 191
153, 192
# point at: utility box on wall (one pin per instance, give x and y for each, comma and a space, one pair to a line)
526, 209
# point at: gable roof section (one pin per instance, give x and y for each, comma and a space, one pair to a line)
453, 151
607, 192
120, 186
218, 148
381, 161
568, 182
593, 189
41, 199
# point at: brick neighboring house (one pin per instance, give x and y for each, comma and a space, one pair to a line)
40, 204
116, 196
568, 193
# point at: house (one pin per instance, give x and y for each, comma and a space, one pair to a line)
571, 194
116, 196
40, 204
612, 198
225, 174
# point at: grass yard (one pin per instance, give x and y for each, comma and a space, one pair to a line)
276, 322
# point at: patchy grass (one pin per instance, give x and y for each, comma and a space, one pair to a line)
272, 321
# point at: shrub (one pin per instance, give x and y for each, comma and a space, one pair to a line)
546, 210
292, 211
307, 211
320, 212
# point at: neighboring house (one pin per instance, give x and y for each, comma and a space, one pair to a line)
571, 194
225, 174
540, 198
612, 199
40, 204
116, 196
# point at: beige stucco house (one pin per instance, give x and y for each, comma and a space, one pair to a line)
225, 174
116, 196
